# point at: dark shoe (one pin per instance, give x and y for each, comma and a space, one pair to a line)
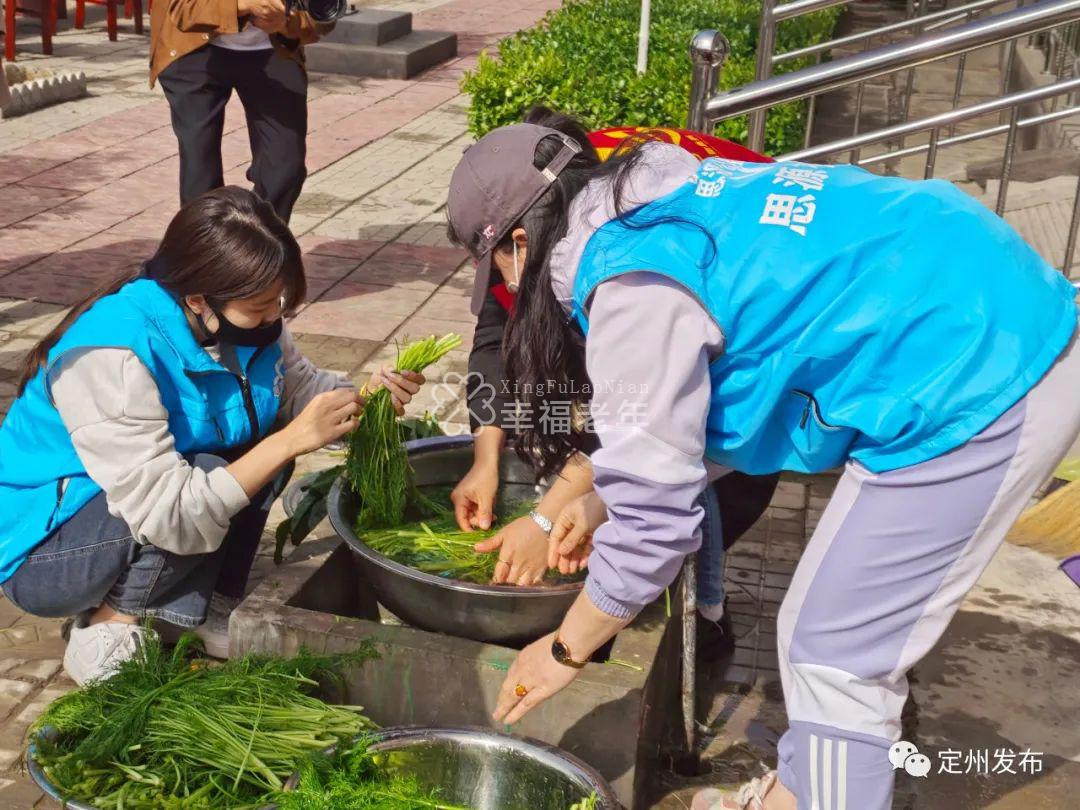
715, 640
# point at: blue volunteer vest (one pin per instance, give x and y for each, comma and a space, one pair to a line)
869, 318
42, 481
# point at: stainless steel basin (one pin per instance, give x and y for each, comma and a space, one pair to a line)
485, 770
498, 614
472, 767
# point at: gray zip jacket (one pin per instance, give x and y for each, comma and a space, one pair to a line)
647, 353
112, 409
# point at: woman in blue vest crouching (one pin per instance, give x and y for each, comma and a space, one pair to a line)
765, 317
154, 427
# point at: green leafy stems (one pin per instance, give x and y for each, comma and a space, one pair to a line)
171, 732
376, 464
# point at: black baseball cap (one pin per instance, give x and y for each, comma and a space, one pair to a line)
494, 185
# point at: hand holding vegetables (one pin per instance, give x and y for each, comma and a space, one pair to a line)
522, 550
331, 415
325, 419
376, 464
402, 385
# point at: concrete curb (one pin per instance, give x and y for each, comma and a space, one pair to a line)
27, 96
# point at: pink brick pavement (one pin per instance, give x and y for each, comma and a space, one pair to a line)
106, 190
80, 206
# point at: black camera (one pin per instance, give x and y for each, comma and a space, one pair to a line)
324, 11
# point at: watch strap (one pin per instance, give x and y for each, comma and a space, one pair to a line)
541, 521
566, 660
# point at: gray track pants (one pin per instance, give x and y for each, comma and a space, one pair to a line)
892, 558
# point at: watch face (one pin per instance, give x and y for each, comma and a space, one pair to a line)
559, 651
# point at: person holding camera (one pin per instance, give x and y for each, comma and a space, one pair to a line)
203, 50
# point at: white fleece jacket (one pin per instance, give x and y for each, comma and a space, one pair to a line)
112, 409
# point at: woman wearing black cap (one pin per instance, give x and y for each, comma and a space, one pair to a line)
556, 534
770, 317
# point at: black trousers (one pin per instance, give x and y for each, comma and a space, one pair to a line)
273, 91
743, 499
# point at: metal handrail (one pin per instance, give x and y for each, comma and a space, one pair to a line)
947, 119
771, 15
798, 8
935, 20
709, 50
967, 137
878, 62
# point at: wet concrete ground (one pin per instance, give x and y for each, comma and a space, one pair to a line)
1004, 680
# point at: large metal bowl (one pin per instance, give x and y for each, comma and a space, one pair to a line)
484, 770
498, 614
42, 781
472, 767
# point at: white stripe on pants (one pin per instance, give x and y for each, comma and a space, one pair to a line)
884, 573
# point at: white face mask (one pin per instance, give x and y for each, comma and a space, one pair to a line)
513, 286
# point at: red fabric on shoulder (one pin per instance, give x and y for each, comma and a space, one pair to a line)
698, 144
503, 296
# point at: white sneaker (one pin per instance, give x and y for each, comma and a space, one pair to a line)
95, 651
750, 796
214, 631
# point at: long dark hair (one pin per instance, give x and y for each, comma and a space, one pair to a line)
226, 245
540, 345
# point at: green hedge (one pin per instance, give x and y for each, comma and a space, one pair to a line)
581, 59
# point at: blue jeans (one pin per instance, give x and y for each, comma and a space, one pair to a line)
711, 555
93, 559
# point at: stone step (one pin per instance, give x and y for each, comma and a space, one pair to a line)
941, 80
951, 161
401, 58
1025, 195
1032, 166
370, 26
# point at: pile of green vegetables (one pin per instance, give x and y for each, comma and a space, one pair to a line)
351, 779
376, 465
168, 732
439, 547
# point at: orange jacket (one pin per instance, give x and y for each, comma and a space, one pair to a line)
178, 27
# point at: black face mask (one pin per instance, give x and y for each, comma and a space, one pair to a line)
228, 332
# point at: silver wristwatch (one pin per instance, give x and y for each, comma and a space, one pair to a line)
541, 521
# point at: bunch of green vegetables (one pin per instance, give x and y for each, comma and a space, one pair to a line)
351, 780
586, 804
311, 508
439, 547
376, 464
167, 732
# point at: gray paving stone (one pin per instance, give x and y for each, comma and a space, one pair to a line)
12, 693
19, 795
41, 670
